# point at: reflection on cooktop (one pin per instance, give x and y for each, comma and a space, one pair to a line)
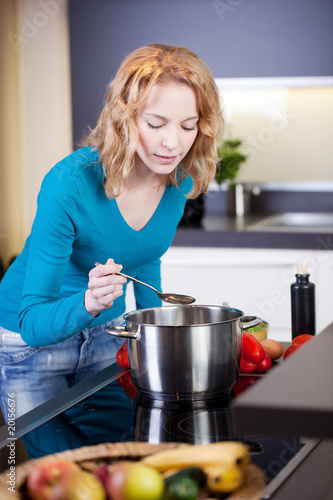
198, 423
201, 422
107, 416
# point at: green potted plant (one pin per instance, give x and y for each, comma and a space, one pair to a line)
231, 158
227, 169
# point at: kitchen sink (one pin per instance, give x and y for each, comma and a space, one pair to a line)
295, 222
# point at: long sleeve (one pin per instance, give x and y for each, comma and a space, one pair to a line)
150, 274
45, 317
76, 225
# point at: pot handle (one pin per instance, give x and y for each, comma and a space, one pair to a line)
250, 321
118, 331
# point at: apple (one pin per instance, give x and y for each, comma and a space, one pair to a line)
78, 485
128, 480
44, 474
144, 483
102, 473
114, 482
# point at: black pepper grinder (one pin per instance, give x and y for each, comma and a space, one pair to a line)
303, 317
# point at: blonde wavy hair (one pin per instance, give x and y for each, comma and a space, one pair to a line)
116, 135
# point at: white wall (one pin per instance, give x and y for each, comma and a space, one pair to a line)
285, 125
35, 40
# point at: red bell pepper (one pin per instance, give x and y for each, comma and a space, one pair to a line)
243, 383
264, 365
253, 356
247, 366
252, 350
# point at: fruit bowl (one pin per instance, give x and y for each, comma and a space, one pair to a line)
90, 458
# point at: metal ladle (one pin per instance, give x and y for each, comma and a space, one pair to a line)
172, 298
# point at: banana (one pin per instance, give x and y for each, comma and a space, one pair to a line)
229, 453
223, 478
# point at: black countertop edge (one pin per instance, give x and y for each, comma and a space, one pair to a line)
308, 475
60, 403
286, 422
201, 237
296, 397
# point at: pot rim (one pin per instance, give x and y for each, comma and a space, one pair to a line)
188, 306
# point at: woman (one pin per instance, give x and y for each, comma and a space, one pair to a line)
117, 201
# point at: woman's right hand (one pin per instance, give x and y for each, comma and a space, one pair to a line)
103, 288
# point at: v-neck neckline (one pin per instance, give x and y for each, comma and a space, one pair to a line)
151, 221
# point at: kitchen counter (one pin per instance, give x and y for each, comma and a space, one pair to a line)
296, 397
218, 229
295, 469
221, 230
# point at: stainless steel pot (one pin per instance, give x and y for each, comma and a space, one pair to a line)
184, 352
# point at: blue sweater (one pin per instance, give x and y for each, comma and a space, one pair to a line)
42, 293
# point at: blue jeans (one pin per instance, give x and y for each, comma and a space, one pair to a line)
35, 375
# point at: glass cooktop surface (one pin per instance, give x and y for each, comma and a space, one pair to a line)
106, 416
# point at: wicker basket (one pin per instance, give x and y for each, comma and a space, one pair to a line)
91, 457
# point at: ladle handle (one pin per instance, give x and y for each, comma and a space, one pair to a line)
137, 281
132, 279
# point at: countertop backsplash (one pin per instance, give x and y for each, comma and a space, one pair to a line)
277, 197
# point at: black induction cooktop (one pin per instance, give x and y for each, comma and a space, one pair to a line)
103, 417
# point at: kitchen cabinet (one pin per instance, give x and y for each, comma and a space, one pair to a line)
257, 281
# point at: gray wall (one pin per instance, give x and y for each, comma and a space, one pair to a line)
236, 38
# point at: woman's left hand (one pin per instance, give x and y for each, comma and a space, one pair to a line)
103, 288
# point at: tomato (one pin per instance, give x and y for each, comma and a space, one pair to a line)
302, 339
297, 342
122, 356
265, 364
126, 381
247, 366
122, 380
252, 350
292, 348
130, 389
131, 392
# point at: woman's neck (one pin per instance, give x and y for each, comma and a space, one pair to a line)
142, 177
